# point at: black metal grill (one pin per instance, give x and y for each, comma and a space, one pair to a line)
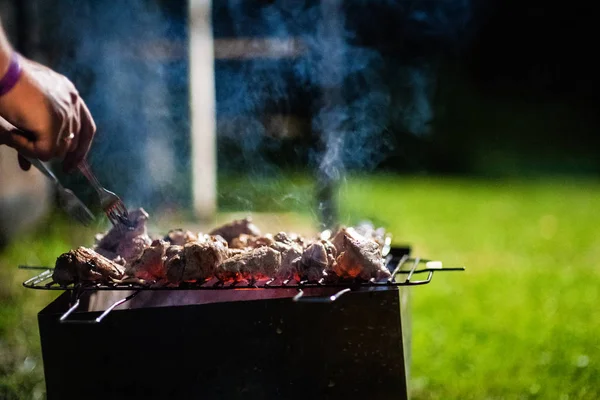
364, 328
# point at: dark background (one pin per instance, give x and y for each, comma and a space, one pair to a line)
512, 85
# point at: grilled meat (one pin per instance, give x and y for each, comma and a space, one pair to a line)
179, 237
245, 241
263, 262
291, 255
236, 228
290, 238
232, 252
174, 264
201, 259
83, 264
358, 257
315, 260
127, 242
367, 230
151, 264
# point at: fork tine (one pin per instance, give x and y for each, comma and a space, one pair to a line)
121, 208
112, 218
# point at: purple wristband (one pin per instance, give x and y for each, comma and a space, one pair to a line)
10, 79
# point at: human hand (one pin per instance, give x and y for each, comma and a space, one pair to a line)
44, 117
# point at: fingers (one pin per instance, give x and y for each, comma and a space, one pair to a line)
75, 125
23, 142
85, 137
24, 163
6, 129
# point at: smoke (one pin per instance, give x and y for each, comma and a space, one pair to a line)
356, 87
128, 60
352, 69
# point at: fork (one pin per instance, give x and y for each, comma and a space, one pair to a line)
112, 205
67, 200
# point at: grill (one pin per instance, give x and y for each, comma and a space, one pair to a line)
254, 340
397, 261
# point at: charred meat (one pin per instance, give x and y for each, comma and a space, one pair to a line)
236, 228
151, 264
231, 253
174, 264
315, 260
245, 241
126, 241
202, 258
358, 257
179, 237
85, 265
263, 262
367, 230
290, 259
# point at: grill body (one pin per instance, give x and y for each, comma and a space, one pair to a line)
234, 345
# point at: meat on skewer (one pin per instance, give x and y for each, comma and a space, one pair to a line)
235, 228
202, 258
263, 262
124, 241
151, 264
85, 265
179, 237
174, 264
358, 257
317, 257
290, 258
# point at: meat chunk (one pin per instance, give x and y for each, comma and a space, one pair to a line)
338, 239
245, 241
174, 264
124, 241
84, 265
290, 238
358, 257
236, 228
291, 255
202, 258
379, 235
263, 262
179, 237
132, 249
315, 260
151, 264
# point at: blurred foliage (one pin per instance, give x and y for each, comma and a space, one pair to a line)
21, 369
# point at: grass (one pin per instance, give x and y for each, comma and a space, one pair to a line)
522, 322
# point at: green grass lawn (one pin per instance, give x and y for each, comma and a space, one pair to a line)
522, 322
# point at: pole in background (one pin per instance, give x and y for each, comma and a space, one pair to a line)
202, 109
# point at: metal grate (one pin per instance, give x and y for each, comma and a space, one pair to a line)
402, 269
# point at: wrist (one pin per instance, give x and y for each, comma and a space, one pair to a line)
11, 75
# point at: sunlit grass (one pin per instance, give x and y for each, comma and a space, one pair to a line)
521, 322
